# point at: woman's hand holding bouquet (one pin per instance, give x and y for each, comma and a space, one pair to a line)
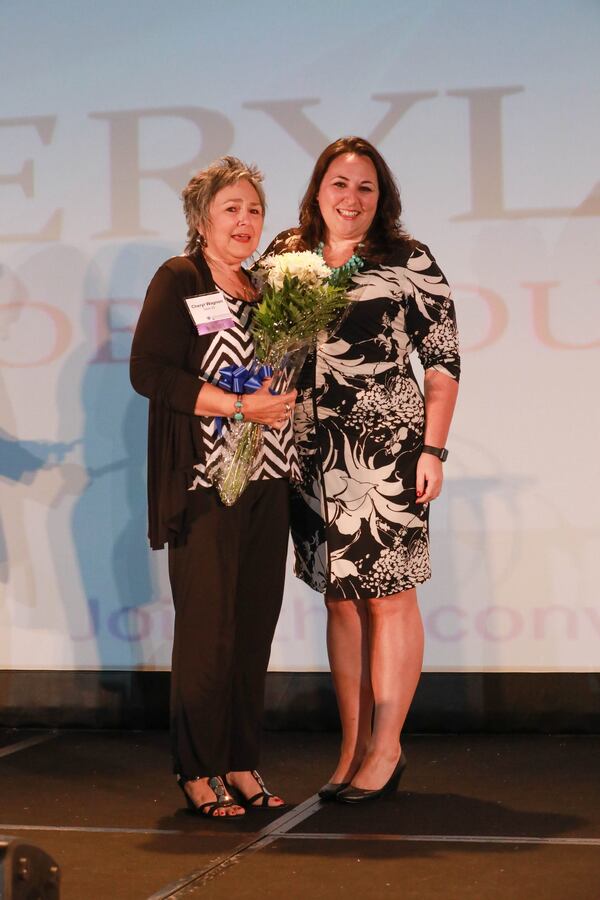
264, 407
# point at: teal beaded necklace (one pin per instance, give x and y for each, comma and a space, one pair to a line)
349, 268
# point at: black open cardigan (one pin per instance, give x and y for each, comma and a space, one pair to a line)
166, 357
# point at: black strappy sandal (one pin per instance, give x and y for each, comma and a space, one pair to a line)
263, 795
224, 798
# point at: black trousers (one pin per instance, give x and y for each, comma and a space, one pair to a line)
227, 581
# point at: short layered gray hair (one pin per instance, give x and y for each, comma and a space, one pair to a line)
200, 191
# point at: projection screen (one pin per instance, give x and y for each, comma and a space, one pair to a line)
486, 112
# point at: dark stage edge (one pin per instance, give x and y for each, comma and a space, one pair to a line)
445, 702
477, 817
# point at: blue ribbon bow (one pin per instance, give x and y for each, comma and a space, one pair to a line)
239, 380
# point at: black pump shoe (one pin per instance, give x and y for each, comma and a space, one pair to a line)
353, 794
330, 790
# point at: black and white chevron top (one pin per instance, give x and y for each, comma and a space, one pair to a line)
233, 346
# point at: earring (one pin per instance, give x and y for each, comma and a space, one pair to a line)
201, 240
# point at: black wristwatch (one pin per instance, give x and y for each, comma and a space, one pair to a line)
440, 452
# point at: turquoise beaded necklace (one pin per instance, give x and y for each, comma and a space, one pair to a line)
349, 268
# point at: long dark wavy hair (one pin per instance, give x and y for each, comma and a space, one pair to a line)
386, 231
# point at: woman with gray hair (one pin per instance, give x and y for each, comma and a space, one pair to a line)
226, 564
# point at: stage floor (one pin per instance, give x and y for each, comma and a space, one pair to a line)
477, 817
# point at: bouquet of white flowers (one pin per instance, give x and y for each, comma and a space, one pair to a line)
301, 298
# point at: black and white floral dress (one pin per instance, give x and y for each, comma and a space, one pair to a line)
359, 425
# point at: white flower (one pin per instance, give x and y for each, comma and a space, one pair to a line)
304, 265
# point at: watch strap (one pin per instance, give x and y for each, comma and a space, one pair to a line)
440, 452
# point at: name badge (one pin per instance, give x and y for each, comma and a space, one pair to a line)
210, 312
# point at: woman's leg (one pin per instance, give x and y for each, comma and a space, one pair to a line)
348, 650
396, 659
263, 553
203, 575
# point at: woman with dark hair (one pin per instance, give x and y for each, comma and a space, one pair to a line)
226, 564
371, 448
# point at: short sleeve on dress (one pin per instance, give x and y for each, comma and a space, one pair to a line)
430, 314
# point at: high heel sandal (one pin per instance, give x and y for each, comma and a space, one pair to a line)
208, 809
263, 795
353, 794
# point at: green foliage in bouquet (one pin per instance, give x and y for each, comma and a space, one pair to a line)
293, 314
